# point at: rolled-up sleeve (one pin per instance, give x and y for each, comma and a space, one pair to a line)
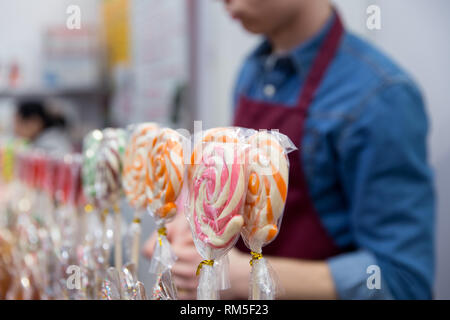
351, 273
389, 187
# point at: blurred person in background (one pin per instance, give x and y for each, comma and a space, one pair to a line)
43, 126
361, 194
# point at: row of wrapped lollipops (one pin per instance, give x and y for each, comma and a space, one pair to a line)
236, 180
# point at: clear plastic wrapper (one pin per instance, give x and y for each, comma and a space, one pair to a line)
109, 181
32, 263
103, 153
122, 285
108, 167
217, 178
134, 184
91, 147
268, 170
164, 181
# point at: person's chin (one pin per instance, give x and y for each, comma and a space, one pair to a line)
252, 28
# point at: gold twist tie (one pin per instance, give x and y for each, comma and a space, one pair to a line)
137, 220
204, 263
105, 213
161, 232
88, 208
255, 256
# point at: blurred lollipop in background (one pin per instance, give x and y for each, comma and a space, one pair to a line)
109, 167
91, 146
134, 184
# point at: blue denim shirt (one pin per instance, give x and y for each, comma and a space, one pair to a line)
364, 154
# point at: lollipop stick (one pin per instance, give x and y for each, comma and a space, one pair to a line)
255, 286
104, 245
136, 228
84, 223
118, 238
207, 287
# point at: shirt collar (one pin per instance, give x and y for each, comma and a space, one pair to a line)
300, 57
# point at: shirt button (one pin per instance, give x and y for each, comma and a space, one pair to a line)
269, 90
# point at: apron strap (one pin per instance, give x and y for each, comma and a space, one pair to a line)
323, 59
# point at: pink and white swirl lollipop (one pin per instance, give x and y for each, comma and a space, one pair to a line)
218, 193
217, 188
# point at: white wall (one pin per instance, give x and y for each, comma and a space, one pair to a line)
414, 32
22, 23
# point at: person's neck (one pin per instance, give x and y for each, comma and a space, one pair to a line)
307, 23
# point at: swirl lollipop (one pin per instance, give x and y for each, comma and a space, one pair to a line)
109, 166
164, 179
109, 174
101, 172
267, 190
165, 173
135, 164
91, 145
268, 169
222, 134
217, 194
134, 177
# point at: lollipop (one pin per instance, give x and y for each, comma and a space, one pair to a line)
164, 179
109, 166
134, 178
91, 145
135, 164
108, 180
165, 173
267, 190
223, 134
217, 193
268, 169
101, 174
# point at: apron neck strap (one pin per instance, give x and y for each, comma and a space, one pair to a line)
321, 62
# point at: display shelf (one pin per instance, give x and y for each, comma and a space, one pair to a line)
44, 93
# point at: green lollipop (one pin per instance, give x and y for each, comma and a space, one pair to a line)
91, 146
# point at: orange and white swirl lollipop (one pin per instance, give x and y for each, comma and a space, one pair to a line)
134, 178
267, 190
135, 164
164, 173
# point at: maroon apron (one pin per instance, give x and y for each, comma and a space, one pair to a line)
302, 234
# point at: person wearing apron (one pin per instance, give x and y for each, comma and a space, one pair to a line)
358, 221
